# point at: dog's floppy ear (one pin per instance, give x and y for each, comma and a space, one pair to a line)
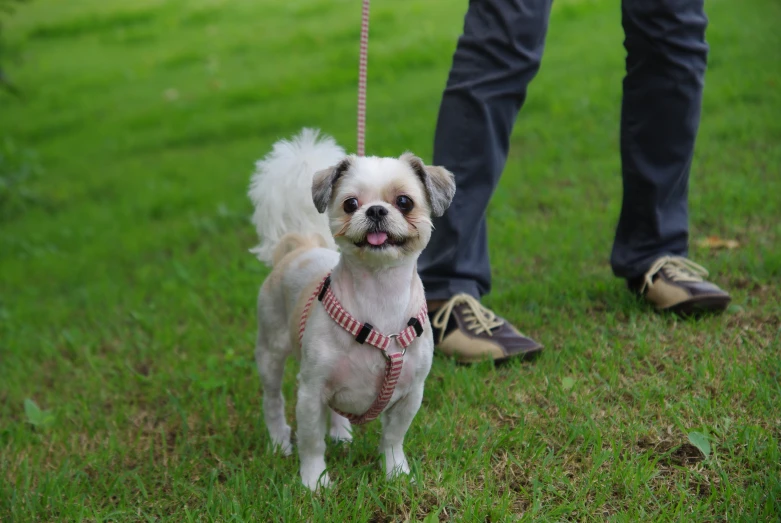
323, 183
439, 183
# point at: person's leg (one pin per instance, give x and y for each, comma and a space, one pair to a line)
660, 114
497, 56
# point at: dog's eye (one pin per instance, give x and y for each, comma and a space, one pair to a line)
350, 205
404, 203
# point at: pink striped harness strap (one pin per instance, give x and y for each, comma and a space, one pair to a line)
365, 333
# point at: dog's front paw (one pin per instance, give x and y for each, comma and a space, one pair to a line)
397, 470
395, 463
314, 483
314, 476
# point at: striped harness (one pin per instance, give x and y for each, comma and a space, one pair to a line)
365, 333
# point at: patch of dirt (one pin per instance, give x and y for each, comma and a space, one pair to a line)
672, 453
686, 454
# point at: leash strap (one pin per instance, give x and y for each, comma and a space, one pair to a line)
365, 333
362, 65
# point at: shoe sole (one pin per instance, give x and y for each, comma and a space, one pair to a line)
700, 306
527, 355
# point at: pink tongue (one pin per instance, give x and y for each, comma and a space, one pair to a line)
376, 238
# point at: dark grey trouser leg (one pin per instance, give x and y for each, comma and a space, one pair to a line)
660, 115
497, 56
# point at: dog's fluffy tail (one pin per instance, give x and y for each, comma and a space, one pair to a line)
281, 190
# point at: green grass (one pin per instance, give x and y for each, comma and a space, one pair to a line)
127, 292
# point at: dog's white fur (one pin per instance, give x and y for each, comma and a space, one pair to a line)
376, 285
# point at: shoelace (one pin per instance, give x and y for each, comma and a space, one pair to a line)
677, 268
478, 319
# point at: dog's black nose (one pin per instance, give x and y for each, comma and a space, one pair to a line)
376, 213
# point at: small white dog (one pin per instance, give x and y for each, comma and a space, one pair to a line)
362, 333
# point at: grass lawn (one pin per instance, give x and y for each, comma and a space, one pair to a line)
127, 293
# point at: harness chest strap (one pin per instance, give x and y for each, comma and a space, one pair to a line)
365, 333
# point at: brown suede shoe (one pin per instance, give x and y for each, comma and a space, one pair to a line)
676, 284
469, 332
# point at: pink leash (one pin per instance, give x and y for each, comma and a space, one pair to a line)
362, 78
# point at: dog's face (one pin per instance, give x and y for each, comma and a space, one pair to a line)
380, 209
